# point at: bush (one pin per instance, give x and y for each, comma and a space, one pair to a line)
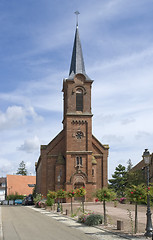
50, 202
82, 218
15, 196
122, 200
91, 219
94, 219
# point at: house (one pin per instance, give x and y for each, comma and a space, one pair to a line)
141, 167
20, 184
2, 188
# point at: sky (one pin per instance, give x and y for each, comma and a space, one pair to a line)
36, 40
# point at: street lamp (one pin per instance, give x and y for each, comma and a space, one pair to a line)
147, 157
58, 203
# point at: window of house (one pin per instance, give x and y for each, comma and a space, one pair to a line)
93, 172
79, 161
79, 100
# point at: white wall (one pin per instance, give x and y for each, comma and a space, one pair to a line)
2, 194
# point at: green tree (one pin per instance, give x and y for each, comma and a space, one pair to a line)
136, 194
119, 180
61, 194
135, 178
51, 196
81, 192
70, 194
104, 195
22, 169
129, 166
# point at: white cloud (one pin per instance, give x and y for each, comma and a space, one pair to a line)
17, 116
30, 145
13, 117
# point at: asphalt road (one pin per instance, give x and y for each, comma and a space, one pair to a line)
22, 223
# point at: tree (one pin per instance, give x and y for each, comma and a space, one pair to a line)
71, 194
136, 194
135, 178
52, 196
61, 194
81, 192
129, 166
119, 180
104, 195
22, 169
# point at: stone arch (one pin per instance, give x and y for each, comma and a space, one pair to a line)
78, 180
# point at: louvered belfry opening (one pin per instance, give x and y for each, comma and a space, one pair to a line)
79, 100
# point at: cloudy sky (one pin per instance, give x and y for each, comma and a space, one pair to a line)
36, 39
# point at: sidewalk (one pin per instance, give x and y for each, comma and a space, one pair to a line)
122, 212
1, 232
95, 232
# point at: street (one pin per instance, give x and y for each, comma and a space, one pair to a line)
30, 223
22, 223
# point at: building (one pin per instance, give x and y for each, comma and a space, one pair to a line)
2, 188
141, 167
74, 158
20, 184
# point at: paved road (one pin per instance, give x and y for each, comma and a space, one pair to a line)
22, 223
29, 223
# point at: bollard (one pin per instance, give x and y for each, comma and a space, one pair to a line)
66, 212
119, 225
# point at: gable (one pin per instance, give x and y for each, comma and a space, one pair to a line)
98, 147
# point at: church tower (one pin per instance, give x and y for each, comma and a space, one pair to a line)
77, 120
74, 158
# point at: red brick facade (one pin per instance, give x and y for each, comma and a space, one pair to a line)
74, 158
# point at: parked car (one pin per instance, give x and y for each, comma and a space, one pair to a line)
28, 200
5, 202
11, 202
18, 201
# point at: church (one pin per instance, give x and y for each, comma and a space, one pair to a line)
74, 158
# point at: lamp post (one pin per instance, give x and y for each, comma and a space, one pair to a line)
146, 157
58, 203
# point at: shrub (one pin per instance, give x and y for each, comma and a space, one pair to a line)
94, 219
122, 200
15, 196
50, 201
82, 218
37, 198
91, 219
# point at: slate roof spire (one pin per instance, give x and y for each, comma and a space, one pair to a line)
77, 61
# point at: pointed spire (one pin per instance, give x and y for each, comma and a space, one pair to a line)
77, 62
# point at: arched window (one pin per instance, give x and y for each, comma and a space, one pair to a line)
79, 100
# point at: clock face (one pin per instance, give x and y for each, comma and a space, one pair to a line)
79, 135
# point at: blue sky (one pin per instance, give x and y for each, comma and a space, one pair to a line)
36, 40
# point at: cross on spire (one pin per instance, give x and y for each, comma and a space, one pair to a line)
77, 62
77, 14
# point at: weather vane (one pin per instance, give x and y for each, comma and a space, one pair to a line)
77, 13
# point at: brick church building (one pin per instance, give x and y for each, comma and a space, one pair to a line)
74, 158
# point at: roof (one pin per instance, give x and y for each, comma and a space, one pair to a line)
19, 184
77, 61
